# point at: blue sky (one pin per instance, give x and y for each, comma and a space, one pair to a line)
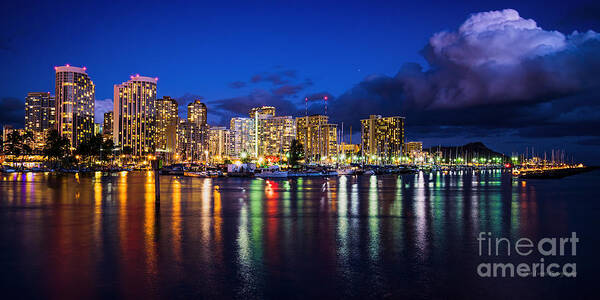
198, 49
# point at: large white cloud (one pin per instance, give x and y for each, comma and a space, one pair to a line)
496, 37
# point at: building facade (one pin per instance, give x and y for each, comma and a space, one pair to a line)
382, 137
197, 113
263, 110
275, 135
135, 115
243, 139
318, 137
167, 120
192, 142
413, 148
40, 117
74, 99
107, 127
220, 144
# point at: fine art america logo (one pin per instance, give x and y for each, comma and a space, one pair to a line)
547, 249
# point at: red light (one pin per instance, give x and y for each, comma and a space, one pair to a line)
68, 65
325, 97
507, 165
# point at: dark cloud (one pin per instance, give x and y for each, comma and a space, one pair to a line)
289, 73
319, 96
237, 84
275, 78
288, 90
12, 112
256, 78
183, 102
240, 106
497, 73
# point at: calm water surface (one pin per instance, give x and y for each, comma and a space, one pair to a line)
412, 236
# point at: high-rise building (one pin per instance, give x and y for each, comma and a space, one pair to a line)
74, 104
107, 128
263, 110
167, 120
220, 144
197, 113
40, 116
97, 128
382, 137
242, 130
276, 135
273, 135
318, 137
135, 114
192, 142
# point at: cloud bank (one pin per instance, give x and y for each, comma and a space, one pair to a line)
497, 71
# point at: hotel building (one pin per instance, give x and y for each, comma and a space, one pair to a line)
318, 137
197, 113
167, 120
135, 114
74, 104
382, 137
40, 116
192, 134
107, 128
243, 139
220, 144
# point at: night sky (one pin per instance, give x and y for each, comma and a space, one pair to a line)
508, 73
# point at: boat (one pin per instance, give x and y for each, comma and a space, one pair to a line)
345, 171
195, 174
272, 174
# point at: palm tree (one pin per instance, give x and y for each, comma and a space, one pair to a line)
296, 153
57, 147
18, 144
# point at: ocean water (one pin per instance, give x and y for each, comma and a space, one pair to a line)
102, 235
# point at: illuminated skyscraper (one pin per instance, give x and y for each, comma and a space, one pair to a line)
192, 134
382, 138
74, 104
319, 138
197, 113
273, 135
135, 114
107, 128
220, 144
40, 116
167, 120
242, 130
263, 110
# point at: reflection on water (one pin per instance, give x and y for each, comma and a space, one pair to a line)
413, 235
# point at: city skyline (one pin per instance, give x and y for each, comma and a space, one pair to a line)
549, 117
